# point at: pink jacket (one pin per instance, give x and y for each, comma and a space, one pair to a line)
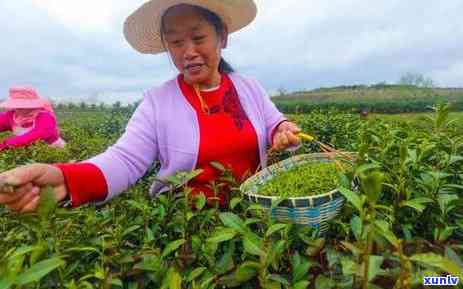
45, 128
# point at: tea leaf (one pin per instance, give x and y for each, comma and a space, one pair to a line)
246, 271
372, 184
301, 285
47, 203
39, 250
418, 203
353, 198
434, 260
250, 221
6, 283
173, 280
252, 244
222, 235
130, 229
356, 224
200, 201
374, 267
454, 159
351, 247
149, 263
235, 201
233, 221
39, 270
278, 278
225, 263
218, 166
275, 228
274, 253
171, 247
206, 283
195, 273
363, 168
349, 267
323, 282
315, 246
382, 227
301, 270
117, 282
227, 281
21, 251
452, 255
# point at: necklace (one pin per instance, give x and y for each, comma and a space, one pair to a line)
204, 106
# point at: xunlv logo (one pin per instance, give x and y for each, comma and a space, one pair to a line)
441, 281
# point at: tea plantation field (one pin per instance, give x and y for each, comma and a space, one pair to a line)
402, 222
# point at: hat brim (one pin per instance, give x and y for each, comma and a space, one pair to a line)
22, 103
142, 27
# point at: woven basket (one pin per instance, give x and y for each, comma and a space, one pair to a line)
314, 211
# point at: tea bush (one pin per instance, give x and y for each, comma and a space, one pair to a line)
403, 222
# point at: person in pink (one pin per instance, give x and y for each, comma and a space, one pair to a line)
30, 118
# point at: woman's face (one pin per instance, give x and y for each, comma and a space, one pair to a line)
194, 46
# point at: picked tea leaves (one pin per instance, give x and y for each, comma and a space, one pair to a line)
301, 181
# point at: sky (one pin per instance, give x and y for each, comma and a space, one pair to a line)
75, 50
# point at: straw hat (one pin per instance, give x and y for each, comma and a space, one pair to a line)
142, 27
23, 97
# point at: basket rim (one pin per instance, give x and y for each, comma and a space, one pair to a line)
328, 194
265, 170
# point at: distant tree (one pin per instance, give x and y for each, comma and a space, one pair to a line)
71, 106
428, 83
60, 108
416, 79
379, 85
282, 91
418, 84
117, 107
83, 105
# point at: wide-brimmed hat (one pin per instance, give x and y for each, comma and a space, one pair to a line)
23, 97
142, 27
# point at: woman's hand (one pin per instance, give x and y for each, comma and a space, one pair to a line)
27, 182
286, 136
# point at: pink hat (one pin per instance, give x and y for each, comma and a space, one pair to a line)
23, 97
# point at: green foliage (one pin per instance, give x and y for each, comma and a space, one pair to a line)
403, 219
375, 105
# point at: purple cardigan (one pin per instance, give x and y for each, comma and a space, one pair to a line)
165, 127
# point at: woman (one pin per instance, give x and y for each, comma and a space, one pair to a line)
30, 118
208, 113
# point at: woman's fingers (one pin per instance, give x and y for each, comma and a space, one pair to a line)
287, 138
31, 206
293, 139
11, 197
26, 198
24, 188
15, 195
283, 141
293, 128
10, 180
